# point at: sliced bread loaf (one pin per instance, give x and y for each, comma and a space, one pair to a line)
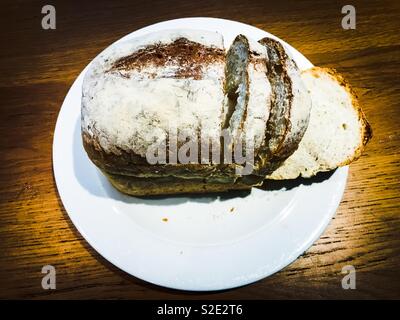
136, 91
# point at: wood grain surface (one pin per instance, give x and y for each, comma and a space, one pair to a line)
37, 67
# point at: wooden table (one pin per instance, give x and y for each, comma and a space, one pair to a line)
38, 67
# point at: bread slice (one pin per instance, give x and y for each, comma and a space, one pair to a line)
290, 108
259, 97
247, 89
236, 85
337, 132
248, 93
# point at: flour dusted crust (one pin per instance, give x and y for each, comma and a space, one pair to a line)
128, 108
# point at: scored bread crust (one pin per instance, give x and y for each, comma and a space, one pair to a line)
344, 115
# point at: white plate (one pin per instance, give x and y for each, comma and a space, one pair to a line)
203, 245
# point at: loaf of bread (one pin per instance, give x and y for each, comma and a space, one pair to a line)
167, 113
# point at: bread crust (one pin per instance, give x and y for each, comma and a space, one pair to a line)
133, 165
169, 186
